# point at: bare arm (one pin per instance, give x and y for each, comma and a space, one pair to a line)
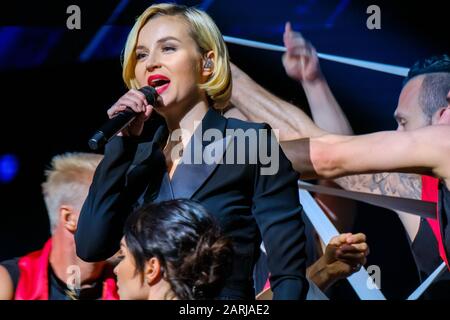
302, 64
6, 285
330, 156
259, 105
420, 151
394, 184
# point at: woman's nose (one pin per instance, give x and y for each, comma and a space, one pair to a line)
152, 63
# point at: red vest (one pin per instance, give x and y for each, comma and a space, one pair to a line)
33, 279
430, 192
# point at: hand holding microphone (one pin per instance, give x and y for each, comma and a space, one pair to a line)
127, 116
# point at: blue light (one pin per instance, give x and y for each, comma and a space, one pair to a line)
9, 166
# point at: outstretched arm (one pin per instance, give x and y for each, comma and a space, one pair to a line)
420, 151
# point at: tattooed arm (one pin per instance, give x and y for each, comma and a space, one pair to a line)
391, 184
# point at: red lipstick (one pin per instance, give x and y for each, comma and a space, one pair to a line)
159, 82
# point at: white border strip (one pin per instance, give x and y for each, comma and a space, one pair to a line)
387, 68
424, 286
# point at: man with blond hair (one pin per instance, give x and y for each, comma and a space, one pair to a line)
55, 272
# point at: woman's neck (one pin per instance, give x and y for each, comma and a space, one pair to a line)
161, 291
188, 122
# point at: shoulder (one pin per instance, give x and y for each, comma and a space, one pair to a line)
7, 273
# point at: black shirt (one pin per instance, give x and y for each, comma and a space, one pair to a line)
426, 254
426, 250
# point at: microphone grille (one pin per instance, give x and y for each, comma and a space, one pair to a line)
150, 94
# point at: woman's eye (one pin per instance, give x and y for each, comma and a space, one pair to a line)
168, 48
140, 55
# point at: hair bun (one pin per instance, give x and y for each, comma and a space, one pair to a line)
209, 264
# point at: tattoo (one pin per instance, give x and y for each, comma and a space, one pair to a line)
391, 184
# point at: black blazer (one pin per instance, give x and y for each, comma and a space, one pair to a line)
246, 204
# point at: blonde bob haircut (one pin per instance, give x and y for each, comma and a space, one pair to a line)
208, 38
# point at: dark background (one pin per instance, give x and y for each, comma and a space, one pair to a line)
56, 85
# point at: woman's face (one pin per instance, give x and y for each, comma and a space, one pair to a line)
129, 282
168, 59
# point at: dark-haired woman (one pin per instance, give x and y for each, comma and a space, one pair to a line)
172, 250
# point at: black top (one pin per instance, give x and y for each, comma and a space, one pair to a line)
313, 253
249, 206
444, 216
426, 255
12, 266
426, 251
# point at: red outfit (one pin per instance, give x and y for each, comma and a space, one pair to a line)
430, 193
33, 280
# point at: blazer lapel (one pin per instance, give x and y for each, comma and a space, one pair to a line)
200, 157
165, 190
147, 170
145, 150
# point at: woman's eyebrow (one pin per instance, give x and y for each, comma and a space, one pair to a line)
168, 38
141, 47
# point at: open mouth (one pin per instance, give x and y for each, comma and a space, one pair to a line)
159, 82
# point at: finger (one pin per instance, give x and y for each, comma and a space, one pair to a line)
138, 94
288, 34
140, 100
356, 238
114, 110
135, 104
148, 112
359, 247
353, 257
362, 247
339, 239
298, 40
299, 52
347, 248
314, 55
288, 27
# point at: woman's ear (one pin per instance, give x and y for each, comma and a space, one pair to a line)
68, 218
152, 271
444, 116
208, 64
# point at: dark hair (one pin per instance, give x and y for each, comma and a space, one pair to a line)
195, 257
436, 83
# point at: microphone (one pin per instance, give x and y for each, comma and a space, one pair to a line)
120, 121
